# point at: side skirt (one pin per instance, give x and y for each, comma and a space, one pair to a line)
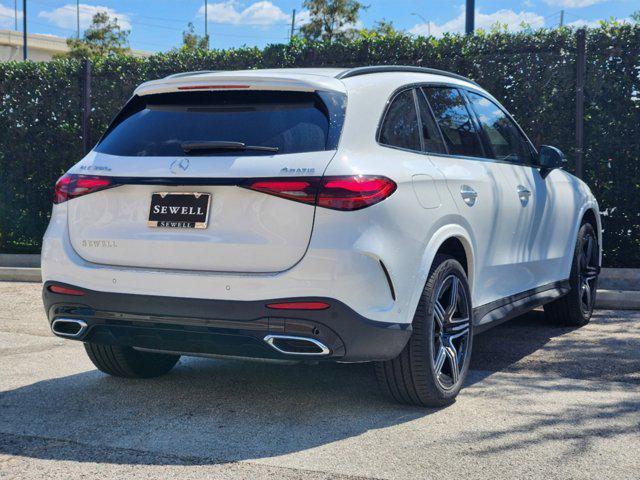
499, 311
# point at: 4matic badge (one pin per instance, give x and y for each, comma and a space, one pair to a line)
297, 171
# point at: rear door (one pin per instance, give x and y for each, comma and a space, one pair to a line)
177, 206
539, 239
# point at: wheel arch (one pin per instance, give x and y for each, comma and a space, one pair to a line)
457, 248
590, 213
454, 240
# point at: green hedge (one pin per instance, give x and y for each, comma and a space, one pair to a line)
532, 73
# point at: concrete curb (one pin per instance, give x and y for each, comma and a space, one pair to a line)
20, 274
619, 279
20, 260
618, 299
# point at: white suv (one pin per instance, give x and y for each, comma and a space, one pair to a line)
379, 214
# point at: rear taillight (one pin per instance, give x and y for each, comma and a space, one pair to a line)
338, 193
301, 190
71, 185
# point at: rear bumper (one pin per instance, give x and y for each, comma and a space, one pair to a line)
224, 327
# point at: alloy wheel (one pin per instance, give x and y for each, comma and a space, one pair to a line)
588, 273
452, 323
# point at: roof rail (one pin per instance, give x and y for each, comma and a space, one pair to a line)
186, 74
354, 72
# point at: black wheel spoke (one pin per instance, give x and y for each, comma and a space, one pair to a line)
441, 356
589, 250
453, 298
452, 357
439, 314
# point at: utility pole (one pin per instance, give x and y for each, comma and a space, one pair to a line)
561, 18
78, 19
24, 29
293, 24
206, 22
581, 47
470, 17
425, 21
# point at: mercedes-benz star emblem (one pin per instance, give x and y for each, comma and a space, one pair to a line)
179, 165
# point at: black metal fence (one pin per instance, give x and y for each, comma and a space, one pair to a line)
576, 90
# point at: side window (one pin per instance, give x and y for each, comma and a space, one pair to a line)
502, 135
458, 129
430, 134
400, 127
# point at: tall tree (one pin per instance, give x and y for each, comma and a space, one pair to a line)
103, 38
191, 41
331, 19
382, 28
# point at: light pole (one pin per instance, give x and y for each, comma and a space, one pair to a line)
24, 29
206, 22
15, 12
293, 24
78, 19
424, 20
470, 17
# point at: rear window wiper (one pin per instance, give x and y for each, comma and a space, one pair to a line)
219, 146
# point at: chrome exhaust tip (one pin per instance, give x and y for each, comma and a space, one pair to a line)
290, 345
69, 327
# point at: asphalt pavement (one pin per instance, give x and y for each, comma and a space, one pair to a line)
541, 402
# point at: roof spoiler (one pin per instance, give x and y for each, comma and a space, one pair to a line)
212, 81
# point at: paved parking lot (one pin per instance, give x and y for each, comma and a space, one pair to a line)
540, 402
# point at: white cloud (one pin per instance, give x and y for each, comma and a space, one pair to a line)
65, 17
258, 13
573, 3
594, 23
512, 19
303, 17
7, 17
584, 23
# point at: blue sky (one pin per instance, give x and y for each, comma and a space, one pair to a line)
156, 25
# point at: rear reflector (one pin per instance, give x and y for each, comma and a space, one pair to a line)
338, 193
71, 185
65, 290
299, 306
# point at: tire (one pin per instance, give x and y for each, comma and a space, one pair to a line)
576, 307
129, 363
420, 375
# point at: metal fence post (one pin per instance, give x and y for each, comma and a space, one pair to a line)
86, 106
580, 81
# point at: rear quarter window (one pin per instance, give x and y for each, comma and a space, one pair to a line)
158, 125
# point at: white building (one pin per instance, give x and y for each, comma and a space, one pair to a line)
40, 47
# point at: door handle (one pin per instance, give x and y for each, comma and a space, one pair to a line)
523, 194
469, 195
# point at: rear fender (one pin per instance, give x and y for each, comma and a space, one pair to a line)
437, 239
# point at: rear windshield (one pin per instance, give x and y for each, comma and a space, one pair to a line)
159, 125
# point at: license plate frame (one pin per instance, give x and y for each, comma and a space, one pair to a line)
174, 215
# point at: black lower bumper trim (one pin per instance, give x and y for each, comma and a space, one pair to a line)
224, 327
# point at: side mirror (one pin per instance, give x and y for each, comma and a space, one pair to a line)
550, 158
